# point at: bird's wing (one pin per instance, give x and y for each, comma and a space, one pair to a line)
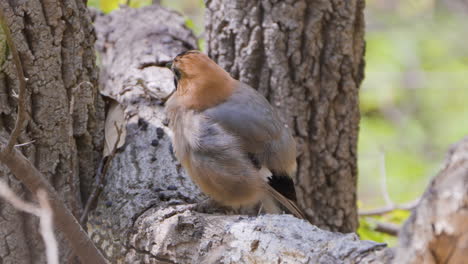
248, 115
220, 167
226, 172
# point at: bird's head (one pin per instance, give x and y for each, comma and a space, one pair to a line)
199, 81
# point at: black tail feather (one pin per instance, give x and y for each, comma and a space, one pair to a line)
283, 184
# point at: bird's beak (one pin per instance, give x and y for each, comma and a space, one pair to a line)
169, 65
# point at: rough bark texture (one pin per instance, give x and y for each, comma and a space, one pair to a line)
306, 57
178, 235
437, 231
135, 221
55, 41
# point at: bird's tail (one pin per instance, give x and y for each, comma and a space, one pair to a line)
290, 205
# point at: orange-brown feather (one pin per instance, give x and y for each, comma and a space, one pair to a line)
203, 83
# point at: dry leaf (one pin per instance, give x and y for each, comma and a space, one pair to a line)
115, 119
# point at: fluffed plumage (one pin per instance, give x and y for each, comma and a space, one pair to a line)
228, 137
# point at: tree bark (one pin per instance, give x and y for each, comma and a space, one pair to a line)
55, 43
179, 235
306, 57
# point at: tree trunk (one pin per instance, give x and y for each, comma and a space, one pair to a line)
306, 57
55, 43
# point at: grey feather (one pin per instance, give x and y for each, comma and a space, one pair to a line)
248, 115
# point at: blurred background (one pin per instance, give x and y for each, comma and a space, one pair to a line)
414, 98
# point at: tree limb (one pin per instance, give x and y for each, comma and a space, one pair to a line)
388, 209
387, 228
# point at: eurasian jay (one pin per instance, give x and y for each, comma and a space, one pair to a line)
229, 138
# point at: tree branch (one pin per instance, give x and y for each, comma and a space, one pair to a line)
390, 206
388, 209
387, 228
21, 117
47, 228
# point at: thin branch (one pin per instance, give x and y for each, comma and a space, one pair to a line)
25, 171
44, 212
21, 117
25, 143
390, 206
388, 209
9, 196
387, 228
47, 228
101, 176
383, 183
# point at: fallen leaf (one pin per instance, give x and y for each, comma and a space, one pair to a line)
115, 119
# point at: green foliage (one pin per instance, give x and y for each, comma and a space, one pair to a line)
107, 6
367, 226
192, 10
367, 231
413, 103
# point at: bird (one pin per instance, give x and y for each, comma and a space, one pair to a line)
228, 137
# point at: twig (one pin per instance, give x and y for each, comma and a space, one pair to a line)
25, 171
21, 117
387, 228
388, 209
7, 194
100, 176
383, 175
47, 228
390, 206
25, 143
44, 212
